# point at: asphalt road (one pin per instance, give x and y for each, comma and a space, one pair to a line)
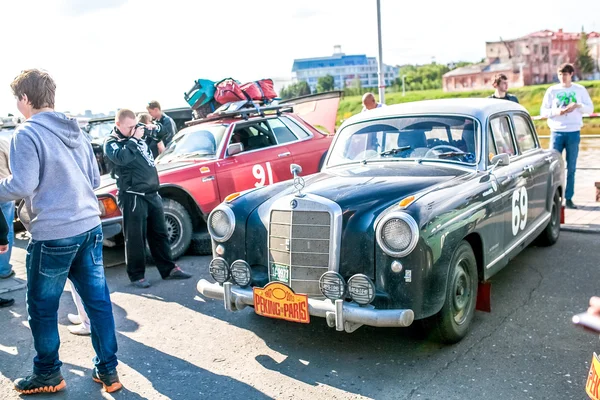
173, 344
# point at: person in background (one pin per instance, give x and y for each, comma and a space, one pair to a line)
500, 83
564, 105
8, 209
80, 321
153, 134
369, 103
169, 129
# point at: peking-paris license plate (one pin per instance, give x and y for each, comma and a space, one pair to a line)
277, 300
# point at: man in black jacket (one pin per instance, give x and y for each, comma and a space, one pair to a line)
140, 203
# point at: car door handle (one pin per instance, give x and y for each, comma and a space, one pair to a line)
549, 159
208, 178
528, 168
286, 154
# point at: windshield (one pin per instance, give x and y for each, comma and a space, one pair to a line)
100, 130
448, 138
200, 141
6, 134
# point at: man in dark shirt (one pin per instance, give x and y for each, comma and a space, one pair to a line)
169, 129
500, 83
140, 203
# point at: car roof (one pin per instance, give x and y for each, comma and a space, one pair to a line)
479, 108
179, 110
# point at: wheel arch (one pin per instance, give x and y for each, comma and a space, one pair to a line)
476, 243
184, 198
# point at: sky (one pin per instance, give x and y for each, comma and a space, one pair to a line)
110, 54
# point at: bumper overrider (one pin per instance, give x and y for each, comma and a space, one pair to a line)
343, 315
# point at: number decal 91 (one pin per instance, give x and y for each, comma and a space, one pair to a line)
519, 210
259, 173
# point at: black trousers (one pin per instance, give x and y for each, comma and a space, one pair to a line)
143, 217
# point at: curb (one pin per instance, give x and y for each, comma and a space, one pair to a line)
580, 229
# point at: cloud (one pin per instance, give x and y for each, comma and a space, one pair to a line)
82, 7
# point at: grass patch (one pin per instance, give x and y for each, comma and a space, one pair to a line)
530, 97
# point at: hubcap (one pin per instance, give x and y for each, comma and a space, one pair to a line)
555, 219
462, 292
173, 229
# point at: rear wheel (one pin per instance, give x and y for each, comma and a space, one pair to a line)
550, 235
452, 323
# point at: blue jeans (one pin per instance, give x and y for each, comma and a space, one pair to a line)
568, 141
49, 263
8, 209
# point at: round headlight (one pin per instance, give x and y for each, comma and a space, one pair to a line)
361, 289
221, 223
397, 234
332, 285
241, 273
219, 270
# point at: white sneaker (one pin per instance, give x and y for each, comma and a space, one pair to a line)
80, 330
74, 319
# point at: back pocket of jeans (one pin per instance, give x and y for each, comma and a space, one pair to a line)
56, 261
97, 250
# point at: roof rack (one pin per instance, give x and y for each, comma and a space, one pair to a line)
243, 109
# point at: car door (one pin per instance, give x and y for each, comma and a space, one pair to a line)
515, 182
262, 162
530, 150
306, 149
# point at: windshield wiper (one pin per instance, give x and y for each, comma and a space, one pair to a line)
452, 154
394, 151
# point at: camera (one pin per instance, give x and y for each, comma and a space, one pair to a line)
147, 132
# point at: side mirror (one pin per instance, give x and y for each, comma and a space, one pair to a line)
500, 160
295, 169
235, 148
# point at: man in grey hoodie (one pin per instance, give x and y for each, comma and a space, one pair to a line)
55, 171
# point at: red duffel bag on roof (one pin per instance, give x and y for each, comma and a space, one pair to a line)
260, 90
228, 90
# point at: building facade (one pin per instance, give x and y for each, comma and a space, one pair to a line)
528, 60
347, 70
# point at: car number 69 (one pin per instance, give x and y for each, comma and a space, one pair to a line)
519, 210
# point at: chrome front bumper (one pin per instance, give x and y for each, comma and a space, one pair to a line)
342, 315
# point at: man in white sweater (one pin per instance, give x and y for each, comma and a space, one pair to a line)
564, 105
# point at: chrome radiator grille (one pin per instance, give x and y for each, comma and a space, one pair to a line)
299, 241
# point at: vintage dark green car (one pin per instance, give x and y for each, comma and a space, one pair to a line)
418, 205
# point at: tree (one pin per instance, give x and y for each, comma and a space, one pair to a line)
325, 84
295, 90
584, 62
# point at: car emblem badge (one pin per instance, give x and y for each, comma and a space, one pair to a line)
293, 204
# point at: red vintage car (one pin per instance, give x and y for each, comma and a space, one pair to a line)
215, 157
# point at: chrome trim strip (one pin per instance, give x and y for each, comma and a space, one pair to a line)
521, 240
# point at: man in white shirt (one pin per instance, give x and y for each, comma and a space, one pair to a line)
369, 102
564, 105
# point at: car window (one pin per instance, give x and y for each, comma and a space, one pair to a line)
435, 137
100, 130
298, 130
253, 136
282, 133
195, 141
491, 146
525, 139
502, 135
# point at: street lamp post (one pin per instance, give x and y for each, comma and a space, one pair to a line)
403, 91
380, 66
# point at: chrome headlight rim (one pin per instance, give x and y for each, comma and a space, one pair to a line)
412, 224
247, 267
229, 212
339, 278
372, 288
227, 269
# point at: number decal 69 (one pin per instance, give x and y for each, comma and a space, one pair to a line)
519, 210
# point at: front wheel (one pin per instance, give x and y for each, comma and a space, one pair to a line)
452, 323
179, 227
